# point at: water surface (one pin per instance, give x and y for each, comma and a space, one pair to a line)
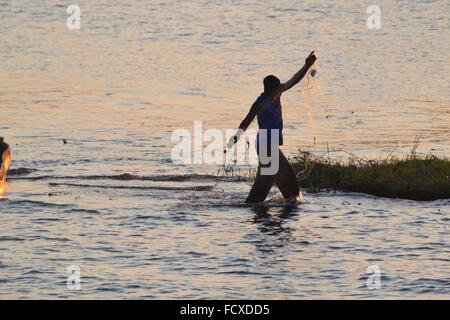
116, 90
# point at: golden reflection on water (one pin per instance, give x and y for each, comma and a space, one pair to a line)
176, 67
136, 71
3, 188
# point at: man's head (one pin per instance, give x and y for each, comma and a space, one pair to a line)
271, 83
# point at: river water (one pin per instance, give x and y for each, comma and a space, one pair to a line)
111, 202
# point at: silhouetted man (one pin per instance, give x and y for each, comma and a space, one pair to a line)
267, 109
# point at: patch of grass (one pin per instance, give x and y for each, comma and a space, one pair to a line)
416, 177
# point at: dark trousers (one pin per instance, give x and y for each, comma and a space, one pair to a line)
285, 179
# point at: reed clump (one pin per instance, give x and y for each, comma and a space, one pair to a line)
415, 177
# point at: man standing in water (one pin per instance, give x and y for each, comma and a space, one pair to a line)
5, 159
267, 109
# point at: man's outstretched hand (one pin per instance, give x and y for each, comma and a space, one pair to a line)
311, 59
232, 141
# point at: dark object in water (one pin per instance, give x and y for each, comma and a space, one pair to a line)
3, 147
128, 177
20, 171
5, 159
64, 141
188, 188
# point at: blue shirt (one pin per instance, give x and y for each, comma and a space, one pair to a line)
270, 117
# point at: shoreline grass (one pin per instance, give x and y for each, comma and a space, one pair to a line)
415, 177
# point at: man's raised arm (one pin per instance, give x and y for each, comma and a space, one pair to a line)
309, 61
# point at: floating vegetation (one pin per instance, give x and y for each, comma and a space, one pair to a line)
415, 177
